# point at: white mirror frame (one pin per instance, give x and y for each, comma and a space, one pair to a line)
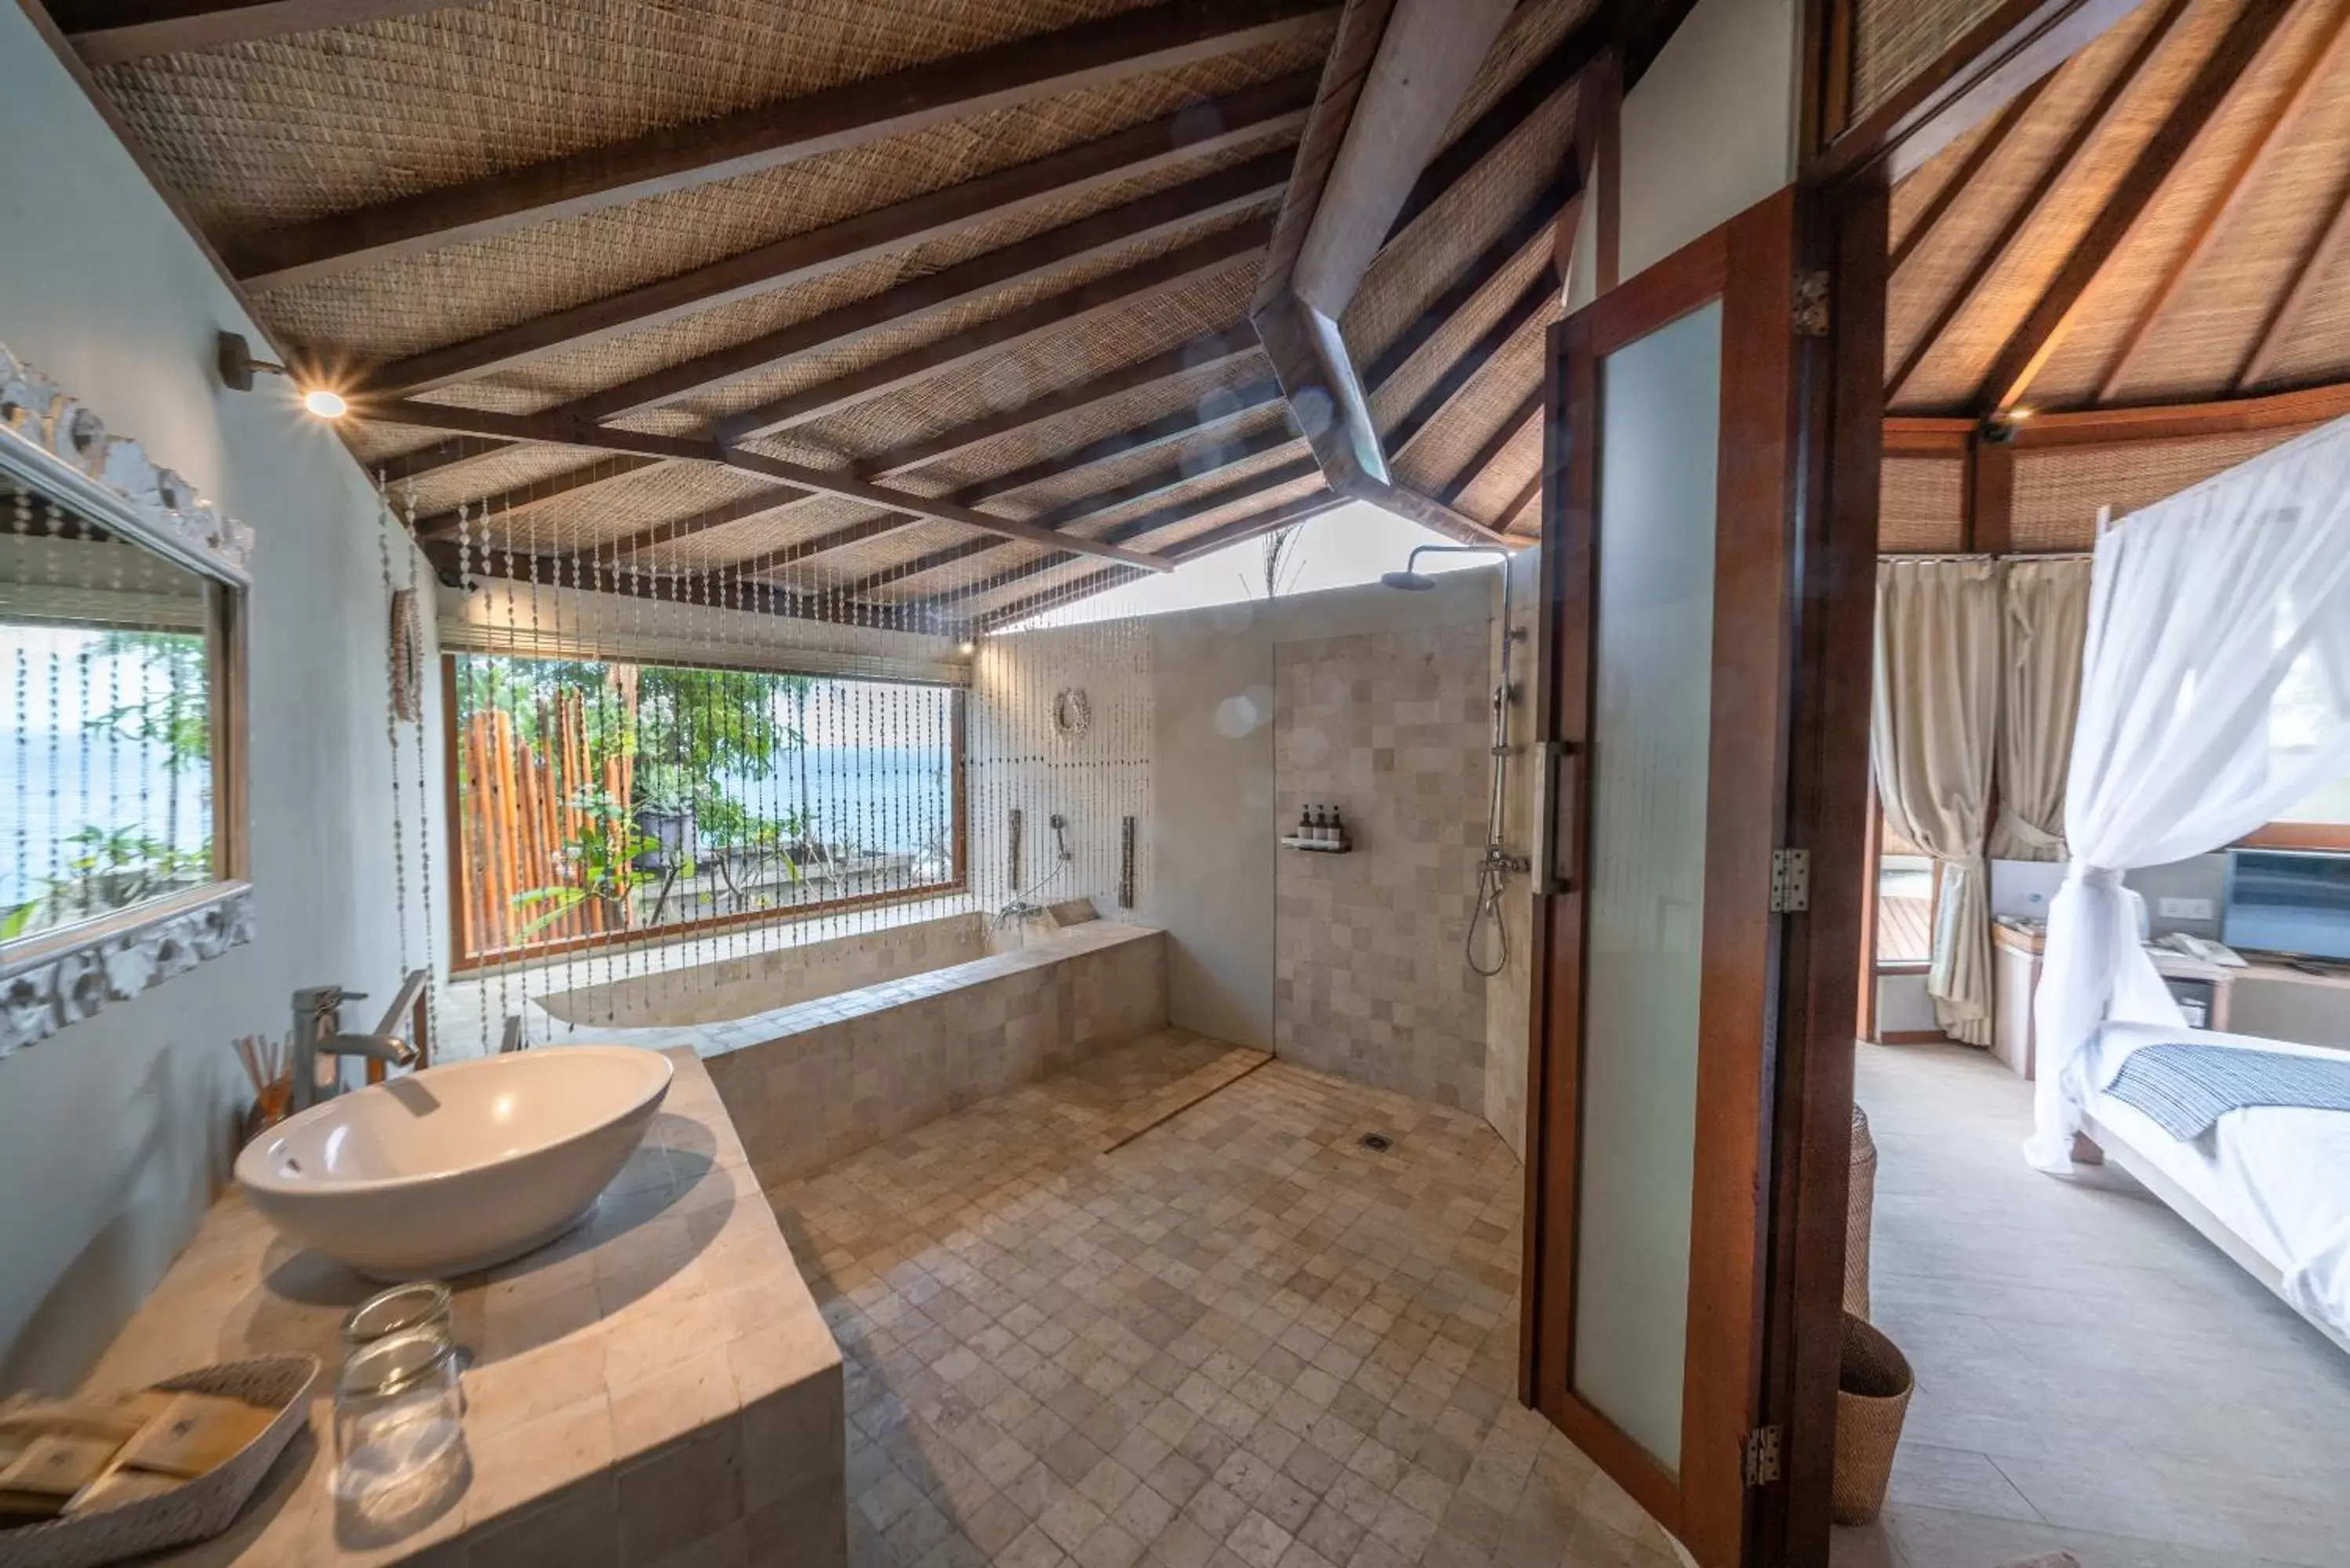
60, 449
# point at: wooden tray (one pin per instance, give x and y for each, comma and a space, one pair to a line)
196, 1509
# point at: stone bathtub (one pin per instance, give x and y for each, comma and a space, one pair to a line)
827, 1048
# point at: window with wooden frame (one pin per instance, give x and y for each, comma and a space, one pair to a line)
596, 802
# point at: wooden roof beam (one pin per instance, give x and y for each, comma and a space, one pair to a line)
542, 428
1462, 372
758, 503
1485, 456
1199, 130
2283, 116
1962, 178
109, 32
2029, 206
1535, 225
1528, 95
1181, 265
1215, 538
756, 597
2027, 348
522, 497
854, 113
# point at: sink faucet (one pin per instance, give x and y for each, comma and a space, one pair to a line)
318, 1032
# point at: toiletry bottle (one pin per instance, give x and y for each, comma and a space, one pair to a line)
1305, 825
1337, 829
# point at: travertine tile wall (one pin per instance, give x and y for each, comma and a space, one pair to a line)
1370, 978
879, 1062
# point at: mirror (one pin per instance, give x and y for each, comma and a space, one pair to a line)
121, 702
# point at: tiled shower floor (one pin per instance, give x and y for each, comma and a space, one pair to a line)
1237, 1339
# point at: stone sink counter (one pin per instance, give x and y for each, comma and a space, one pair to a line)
657, 1385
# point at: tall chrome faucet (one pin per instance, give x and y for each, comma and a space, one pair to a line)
318, 1032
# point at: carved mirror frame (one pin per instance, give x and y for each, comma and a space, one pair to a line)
59, 448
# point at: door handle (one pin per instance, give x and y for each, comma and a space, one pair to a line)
1558, 863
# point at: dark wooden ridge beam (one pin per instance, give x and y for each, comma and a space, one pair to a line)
1551, 75
109, 32
1483, 458
456, 565
2027, 348
1181, 265
1216, 538
854, 113
1962, 178
560, 431
2025, 210
2014, 44
1199, 130
2282, 115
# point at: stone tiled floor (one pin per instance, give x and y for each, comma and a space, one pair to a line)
1239, 1340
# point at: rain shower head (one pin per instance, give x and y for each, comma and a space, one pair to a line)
1417, 582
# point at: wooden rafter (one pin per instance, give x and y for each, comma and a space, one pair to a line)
1208, 350
752, 597
1215, 538
109, 32
1533, 226
557, 431
1200, 131
1962, 178
522, 497
758, 503
2282, 115
1149, 522
1517, 505
1550, 76
1209, 197
1055, 313
1140, 438
1021, 71
2027, 348
2309, 269
1508, 430
1457, 376
2050, 176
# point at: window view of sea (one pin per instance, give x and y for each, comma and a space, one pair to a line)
52, 785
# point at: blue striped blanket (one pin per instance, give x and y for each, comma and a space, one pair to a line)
2185, 1088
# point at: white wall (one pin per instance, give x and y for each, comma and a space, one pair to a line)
113, 1133
1708, 132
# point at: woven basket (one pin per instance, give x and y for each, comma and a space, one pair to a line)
200, 1508
1873, 1388
1860, 1204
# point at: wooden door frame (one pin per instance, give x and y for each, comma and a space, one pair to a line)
1758, 489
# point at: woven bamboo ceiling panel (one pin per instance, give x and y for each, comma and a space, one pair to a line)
585, 267
2162, 220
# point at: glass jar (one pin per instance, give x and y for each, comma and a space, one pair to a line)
398, 1418
421, 1304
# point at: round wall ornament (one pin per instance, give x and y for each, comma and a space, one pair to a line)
1072, 712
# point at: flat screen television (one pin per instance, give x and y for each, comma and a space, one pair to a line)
2287, 901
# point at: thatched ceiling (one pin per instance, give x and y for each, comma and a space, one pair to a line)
2162, 220
993, 255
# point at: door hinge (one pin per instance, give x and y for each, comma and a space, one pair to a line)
1811, 305
1790, 882
1762, 1462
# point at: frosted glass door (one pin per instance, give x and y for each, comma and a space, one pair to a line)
1652, 660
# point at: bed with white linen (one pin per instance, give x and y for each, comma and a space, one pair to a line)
2269, 1185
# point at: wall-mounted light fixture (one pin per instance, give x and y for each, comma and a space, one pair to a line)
1999, 429
237, 367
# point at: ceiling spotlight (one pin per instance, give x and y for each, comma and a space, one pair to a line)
238, 366
966, 648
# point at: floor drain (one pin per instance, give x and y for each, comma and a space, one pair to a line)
1377, 1143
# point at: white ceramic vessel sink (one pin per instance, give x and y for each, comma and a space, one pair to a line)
455, 1169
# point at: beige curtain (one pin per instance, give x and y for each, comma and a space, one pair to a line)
1933, 724
2047, 620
